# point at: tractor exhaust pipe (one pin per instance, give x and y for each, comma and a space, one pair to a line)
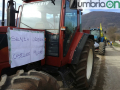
11, 13
3, 12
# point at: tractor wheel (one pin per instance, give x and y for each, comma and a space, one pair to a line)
101, 48
31, 80
105, 43
83, 71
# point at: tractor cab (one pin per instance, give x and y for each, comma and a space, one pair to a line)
60, 19
96, 33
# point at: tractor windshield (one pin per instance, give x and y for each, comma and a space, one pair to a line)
95, 32
41, 15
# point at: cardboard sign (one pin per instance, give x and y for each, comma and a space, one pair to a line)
25, 46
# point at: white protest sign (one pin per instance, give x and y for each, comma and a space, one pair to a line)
37, 46
25, 46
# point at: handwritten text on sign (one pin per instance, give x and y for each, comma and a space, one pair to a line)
25, 46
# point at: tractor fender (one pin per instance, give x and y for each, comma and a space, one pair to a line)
79, 48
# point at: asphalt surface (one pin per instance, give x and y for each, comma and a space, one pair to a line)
107, 71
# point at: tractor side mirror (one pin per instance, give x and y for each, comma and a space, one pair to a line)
73, 4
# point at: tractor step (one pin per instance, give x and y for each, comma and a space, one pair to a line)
60, 83
67, 81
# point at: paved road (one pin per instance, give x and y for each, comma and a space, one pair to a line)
107, 71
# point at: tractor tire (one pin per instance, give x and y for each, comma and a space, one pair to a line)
101, 48
32, 80
82, 73
105, 43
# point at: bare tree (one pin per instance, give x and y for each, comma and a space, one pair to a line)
117, 36
111, 33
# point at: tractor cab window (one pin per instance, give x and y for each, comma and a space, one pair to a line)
71, 27
95, 32
41, 15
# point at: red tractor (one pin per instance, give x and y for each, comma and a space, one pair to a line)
69, 53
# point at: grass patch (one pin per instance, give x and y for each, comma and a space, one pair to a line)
116, 44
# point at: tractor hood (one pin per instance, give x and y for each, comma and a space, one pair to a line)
4, 43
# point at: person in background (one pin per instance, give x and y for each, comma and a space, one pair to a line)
111, 43
108, 42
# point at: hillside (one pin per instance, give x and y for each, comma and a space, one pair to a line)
108, 19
